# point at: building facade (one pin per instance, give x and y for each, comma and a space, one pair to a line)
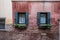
40, 18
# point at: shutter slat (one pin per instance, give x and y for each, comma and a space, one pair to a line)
48, 18
16, 17
38, 18
26, 18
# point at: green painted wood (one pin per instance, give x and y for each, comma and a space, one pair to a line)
16, 17
38, 18
48, 18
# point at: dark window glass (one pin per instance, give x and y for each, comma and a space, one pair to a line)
21, 18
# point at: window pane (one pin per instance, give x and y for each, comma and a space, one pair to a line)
22, 18
2, 26
43, 18
2, 23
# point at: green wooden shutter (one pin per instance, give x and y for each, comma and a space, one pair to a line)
16, 17
26, 18
38, 18
48, 18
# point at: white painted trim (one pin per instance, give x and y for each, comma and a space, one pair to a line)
2, 30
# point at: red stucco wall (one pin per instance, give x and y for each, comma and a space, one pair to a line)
33, 7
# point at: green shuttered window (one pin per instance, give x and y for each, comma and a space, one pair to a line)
48, 18
43, 18
21, 18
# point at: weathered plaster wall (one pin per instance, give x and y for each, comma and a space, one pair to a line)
32, 8
6, 10
32, 31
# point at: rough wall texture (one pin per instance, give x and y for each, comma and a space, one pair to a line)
27, 36
32, 32
32, 8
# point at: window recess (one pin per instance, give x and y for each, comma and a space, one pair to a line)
43, 19
21, 19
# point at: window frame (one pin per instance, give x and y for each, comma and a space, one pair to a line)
4, 24
38, 18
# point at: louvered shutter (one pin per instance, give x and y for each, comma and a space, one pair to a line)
38, 18
26, 18
16, 18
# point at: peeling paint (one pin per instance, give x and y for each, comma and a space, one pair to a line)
33, 7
